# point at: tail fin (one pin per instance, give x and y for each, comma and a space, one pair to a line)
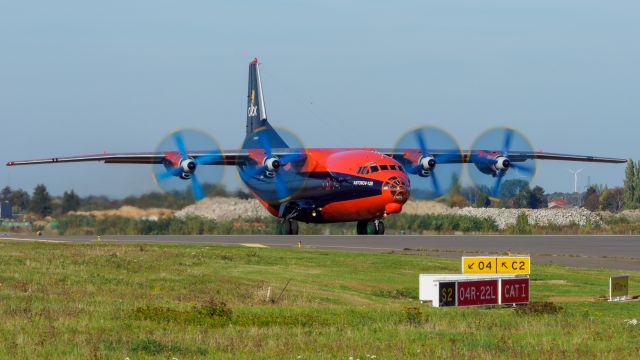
256, 112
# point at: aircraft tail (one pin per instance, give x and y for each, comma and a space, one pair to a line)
256, 112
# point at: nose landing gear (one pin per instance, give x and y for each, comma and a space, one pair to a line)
371, 227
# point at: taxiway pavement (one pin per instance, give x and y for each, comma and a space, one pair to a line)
592, 251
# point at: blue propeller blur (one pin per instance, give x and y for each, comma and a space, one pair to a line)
507, 142
282, 190
443, 148
197, 189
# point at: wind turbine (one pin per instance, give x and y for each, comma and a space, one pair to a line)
575, 179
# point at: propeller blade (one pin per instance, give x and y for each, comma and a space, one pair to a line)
414, 145
207, 159
281, 187
278, 181
508, 137
492, 145
255, 171
421, 142
436, 184
179, 141
496, 188
266, 146
196, 188
176, 144
414, 170
169, 174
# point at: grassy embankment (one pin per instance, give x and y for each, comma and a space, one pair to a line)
402, 223
84, 225
147, 301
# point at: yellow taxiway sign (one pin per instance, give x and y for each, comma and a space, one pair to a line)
496, 265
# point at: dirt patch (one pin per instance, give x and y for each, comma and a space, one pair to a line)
572, 298
553, 282
129, 212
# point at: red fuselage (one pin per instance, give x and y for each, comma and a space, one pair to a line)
343, 185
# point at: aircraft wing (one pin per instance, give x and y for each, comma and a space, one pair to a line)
235, 157
232, 157
519, 156
468, 156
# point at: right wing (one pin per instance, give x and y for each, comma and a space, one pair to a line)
231, 157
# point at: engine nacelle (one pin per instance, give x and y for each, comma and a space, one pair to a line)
428, 162
272, 164
502, 163
188, 166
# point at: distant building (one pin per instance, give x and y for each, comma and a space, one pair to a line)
559, 203
5, 210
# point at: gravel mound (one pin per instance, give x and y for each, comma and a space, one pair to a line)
223, 208
506, 217
128, 212
423, 207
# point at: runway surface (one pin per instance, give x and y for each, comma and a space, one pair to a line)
615, 251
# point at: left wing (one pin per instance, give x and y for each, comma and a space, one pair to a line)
468, 156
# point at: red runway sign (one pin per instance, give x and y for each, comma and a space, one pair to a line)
515, 291
479, 292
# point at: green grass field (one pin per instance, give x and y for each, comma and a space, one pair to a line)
162, 301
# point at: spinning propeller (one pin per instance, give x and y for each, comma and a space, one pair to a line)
185, 151
276, 158
496, 163
430, 146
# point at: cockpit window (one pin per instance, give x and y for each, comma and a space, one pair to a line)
372, 167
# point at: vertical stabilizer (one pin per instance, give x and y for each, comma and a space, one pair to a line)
256, 112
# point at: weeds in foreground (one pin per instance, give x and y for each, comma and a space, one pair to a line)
414, 316
540, 308
212, 313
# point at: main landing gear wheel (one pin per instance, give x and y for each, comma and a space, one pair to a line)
371, 227
287, 227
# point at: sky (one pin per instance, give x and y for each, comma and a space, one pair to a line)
79, 77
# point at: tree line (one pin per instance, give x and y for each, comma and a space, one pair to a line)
632, 185
42, 204
619, 198
515, 193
